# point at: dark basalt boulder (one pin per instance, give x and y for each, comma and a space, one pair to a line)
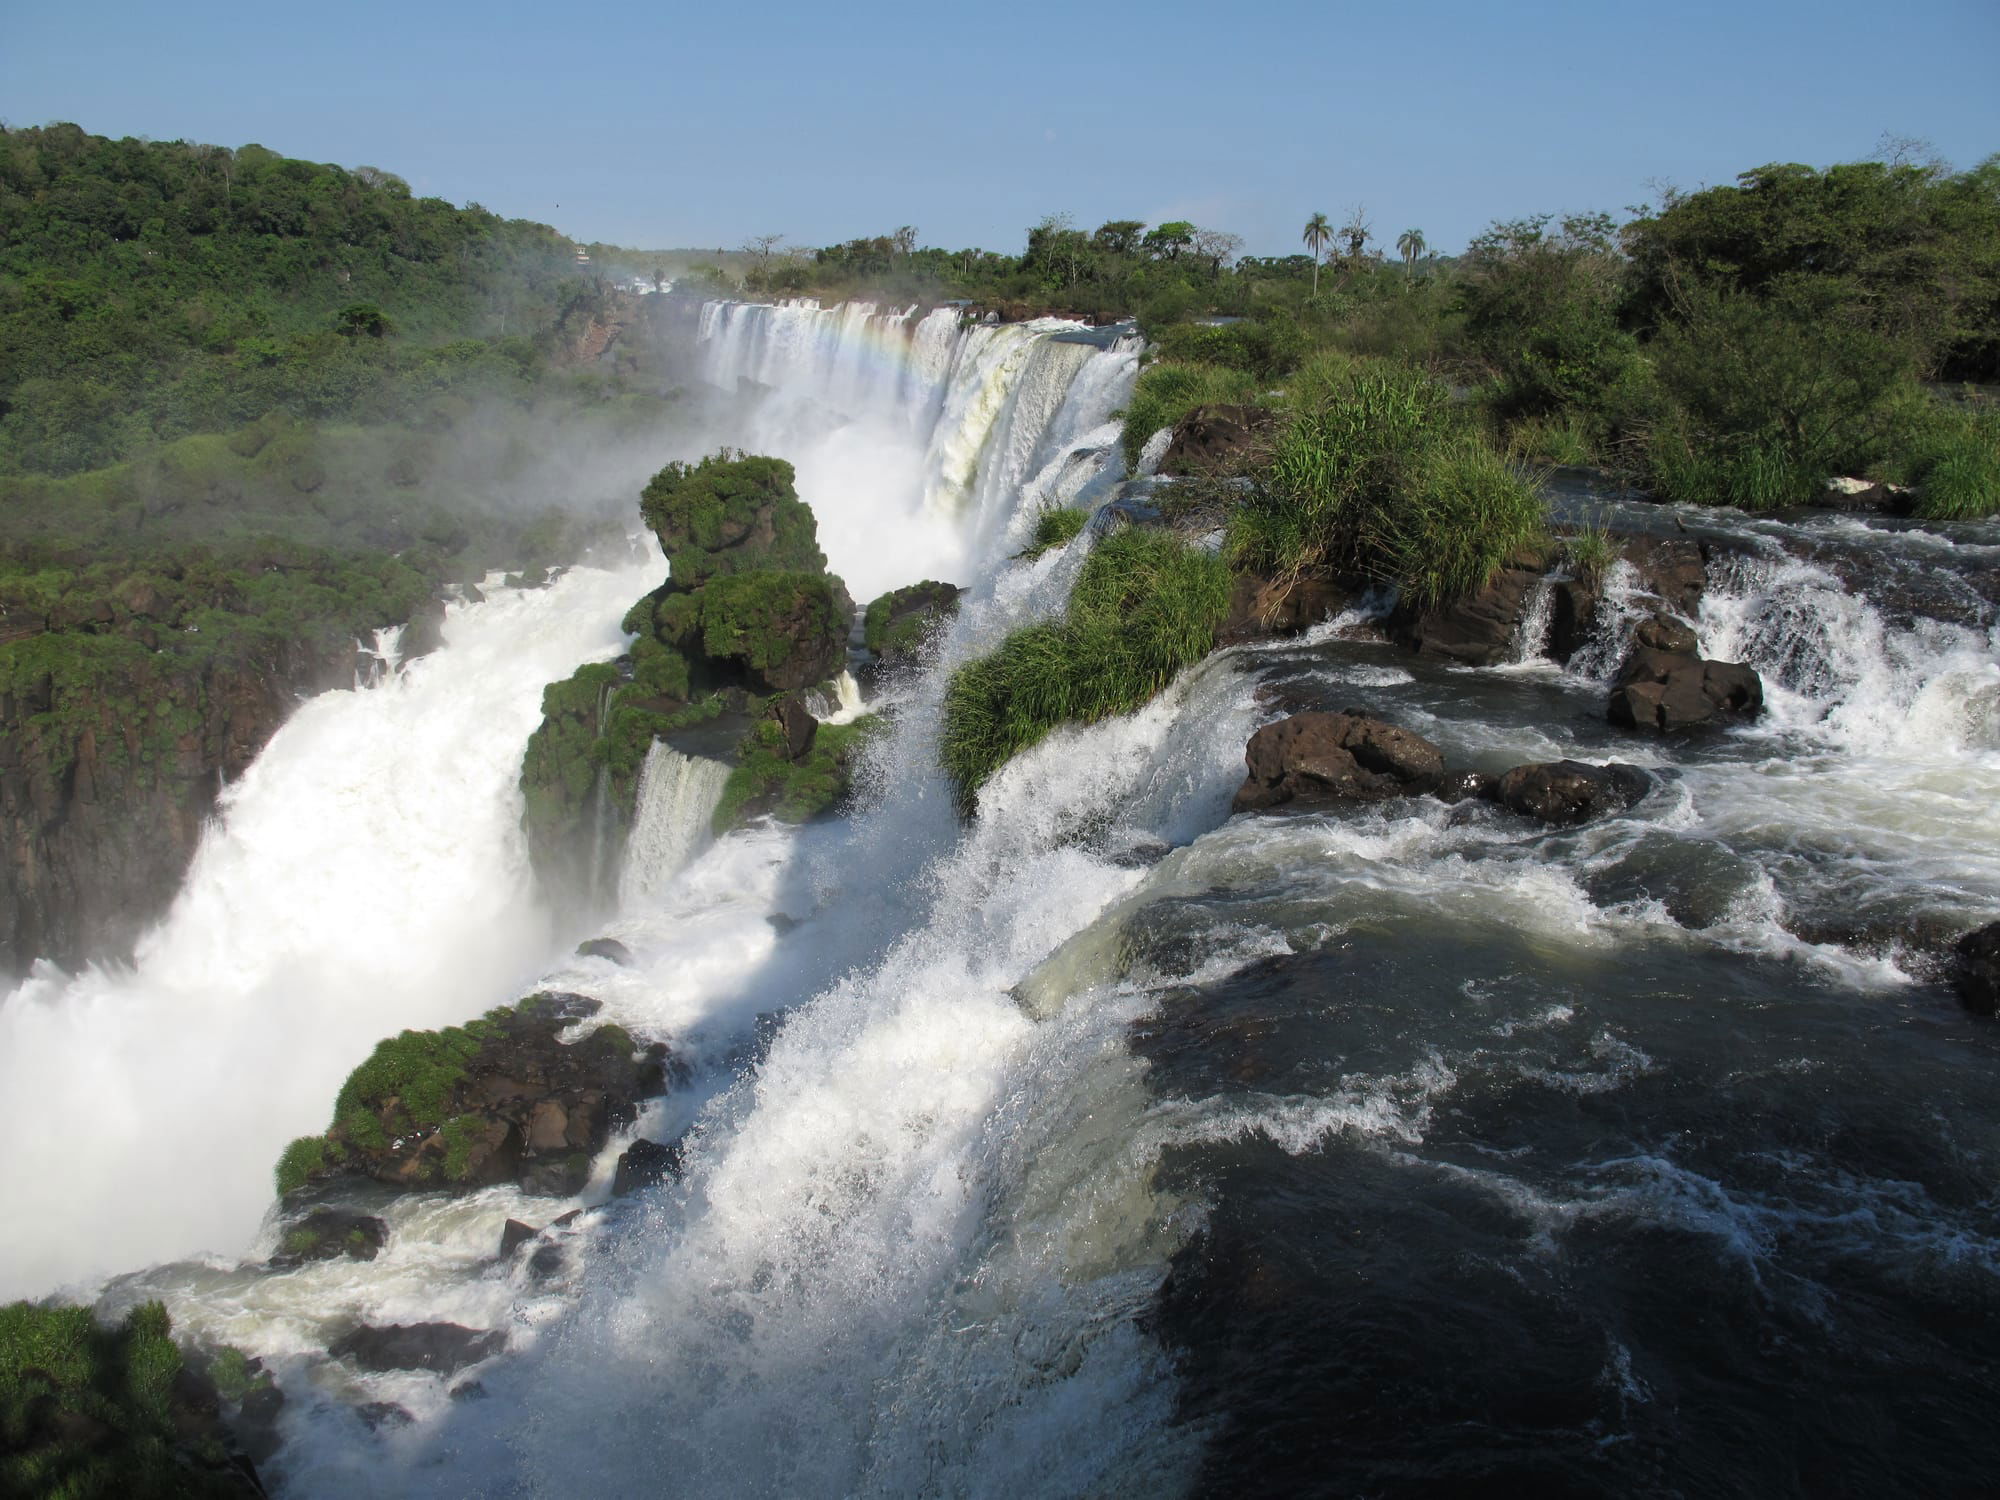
1665, 685
1568, 792
1467, 786
1321, 758
440, 1347
330, 1234
1212, 441
513, 1235
644, 1163
1975, 969
1672, 569
501, 1099
1478, 630
606, 948
1260, 608
797, 728
1572, 618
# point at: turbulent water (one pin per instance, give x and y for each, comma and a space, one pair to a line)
1108, 1144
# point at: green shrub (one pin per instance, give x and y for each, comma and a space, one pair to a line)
89, 1412
1378, 474
764, 781
1145, 605
1954, 461
1550, 440
729, 513
1167, 391
300, 1161
1055, 526
1589, 553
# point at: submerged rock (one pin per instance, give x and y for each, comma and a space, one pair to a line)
331, 1234
1318, 758
442, 1347
1975, 969
1568, 792
1665, 685
604, 947
644, 1163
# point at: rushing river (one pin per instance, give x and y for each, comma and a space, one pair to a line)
1109, 1144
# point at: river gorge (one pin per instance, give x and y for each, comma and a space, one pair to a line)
1107, 1142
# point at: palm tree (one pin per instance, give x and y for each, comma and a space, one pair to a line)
1410, 245
1319, 229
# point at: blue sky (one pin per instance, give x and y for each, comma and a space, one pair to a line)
670, 125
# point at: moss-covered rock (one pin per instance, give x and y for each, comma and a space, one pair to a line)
730, 513
765, 632
768, 781
88, 1411
500, 1099
899, 624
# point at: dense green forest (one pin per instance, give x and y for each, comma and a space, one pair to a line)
1739, 345
153, 289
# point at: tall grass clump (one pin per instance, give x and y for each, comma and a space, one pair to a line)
1055, 526
1955, 463
1145, 605
1168, 390
1751, 475
1589, 552
1379, 475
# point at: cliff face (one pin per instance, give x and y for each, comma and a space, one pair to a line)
128, 698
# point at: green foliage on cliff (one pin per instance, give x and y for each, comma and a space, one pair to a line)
729, 513
764, 781
1055, 526
92, 1413
785, 628
152, 289
1169, 390
1145, 605
1378, 474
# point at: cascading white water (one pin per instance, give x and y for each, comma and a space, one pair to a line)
676, 799
367, 873
901, 428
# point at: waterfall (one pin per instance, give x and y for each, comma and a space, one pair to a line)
676, 799
912, 436
365, 874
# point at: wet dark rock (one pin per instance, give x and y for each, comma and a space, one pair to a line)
566, 1005
645, 1163
797, 728
1975, 969
513, 1235
605, 947
547, 1261
1572, 618
468, 1390
1260, 608
424, 633
1568, 792
1478, 630
1467, 786
1320, 758
1672, 569
442, 1347
383, 1416
255, 1425
781, 923
1219, 440
330, 1234
1664, 685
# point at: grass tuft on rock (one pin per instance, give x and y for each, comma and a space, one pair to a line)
1055, 526
1145, 605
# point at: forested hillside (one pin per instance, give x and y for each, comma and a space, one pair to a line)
150, 289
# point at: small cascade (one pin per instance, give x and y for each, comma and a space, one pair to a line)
1531, 631
842, 705
676, 800
1623, 604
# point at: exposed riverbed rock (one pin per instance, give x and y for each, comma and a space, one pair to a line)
1666, 685
1213, 441
609, 949
1322, 758
1975, 969
1479, 630
439, 1347
501, 1099
1260, 608
1568, 792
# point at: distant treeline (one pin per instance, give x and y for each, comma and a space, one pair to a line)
1736, 345
152, 289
